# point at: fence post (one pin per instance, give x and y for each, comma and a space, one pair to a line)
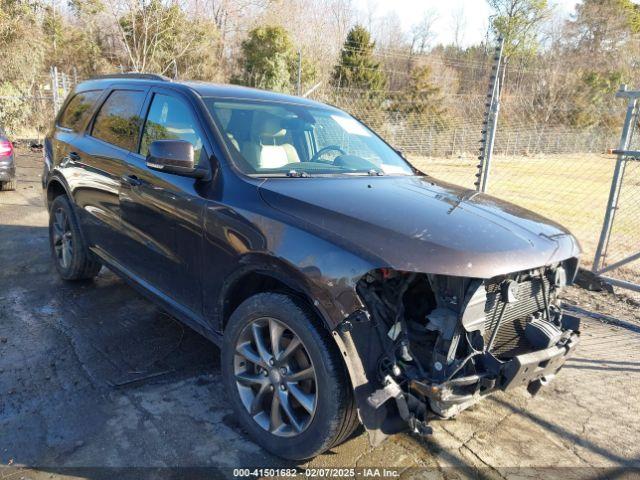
299, 82
453, 143
65, 84
612, 205
491, 122
54, 88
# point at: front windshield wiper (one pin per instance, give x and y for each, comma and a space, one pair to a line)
297, 174
373, 172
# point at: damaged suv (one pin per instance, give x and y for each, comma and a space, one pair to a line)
343, 285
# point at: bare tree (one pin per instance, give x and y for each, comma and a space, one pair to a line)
389, 34
371, 14
458, 24
519, 22
422, 32
161, 36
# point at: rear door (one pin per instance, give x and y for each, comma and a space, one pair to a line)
101, 153
162, 213
61, 147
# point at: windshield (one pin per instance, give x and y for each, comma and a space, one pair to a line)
286, 139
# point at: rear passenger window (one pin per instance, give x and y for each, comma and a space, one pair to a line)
170, 119
118, 121
78, 109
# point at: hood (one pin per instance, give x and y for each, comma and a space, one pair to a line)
423, 225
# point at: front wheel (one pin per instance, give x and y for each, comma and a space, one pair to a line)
287, 382
70, 254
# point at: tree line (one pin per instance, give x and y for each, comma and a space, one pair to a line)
565, 69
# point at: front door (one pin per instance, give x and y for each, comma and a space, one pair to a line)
162, 213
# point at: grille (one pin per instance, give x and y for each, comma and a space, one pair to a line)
510, 339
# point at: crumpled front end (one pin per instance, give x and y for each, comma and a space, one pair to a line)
433, 345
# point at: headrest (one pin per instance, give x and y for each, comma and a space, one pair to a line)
267, 125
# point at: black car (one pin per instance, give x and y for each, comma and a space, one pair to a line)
342, 284
7, 163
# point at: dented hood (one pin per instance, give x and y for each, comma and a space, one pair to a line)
421, 224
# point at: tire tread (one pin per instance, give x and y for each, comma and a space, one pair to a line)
84, 266
344, 420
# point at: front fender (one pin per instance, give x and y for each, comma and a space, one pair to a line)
333, 299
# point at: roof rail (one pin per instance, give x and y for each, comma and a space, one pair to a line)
142, 76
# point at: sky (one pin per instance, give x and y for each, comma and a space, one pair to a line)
476, 13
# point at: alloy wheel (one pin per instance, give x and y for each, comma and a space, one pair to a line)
62, 238
275, 377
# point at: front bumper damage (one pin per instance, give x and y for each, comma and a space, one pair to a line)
532, 370
429, 347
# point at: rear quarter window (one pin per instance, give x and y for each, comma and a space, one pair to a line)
77, 110
118, 121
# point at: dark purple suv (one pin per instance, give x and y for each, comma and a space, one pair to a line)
343, 285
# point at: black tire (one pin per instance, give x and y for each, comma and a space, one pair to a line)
10, 185
79, 263
335, 415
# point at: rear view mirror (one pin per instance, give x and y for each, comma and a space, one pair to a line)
174, 156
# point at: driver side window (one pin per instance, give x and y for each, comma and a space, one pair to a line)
170, 118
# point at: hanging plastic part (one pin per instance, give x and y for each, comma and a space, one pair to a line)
392, 390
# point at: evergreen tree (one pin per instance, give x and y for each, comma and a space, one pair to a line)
421, 102
270, 61
357, 68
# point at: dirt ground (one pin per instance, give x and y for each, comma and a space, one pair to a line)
96, 382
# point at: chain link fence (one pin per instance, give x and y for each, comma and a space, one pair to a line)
27, 110
624, 241
539, 161
560, 172
618, 255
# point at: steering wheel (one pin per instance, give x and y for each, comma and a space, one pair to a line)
323, 150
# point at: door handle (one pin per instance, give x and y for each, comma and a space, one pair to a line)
131, 180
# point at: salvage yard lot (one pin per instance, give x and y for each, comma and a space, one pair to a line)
93, 375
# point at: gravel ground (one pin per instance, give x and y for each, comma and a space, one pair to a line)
96, 382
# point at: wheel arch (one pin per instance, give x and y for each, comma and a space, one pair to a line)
56, 187
266, 276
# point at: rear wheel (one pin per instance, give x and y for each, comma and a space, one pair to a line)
70, 254
288, 384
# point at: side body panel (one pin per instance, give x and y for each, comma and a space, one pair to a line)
94, 179
243, 235
162, 231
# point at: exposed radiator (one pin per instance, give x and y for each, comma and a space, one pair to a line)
510, 339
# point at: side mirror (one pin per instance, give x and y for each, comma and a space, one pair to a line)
174, 156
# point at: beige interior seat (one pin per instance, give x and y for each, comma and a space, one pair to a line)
267, 147
234, 142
